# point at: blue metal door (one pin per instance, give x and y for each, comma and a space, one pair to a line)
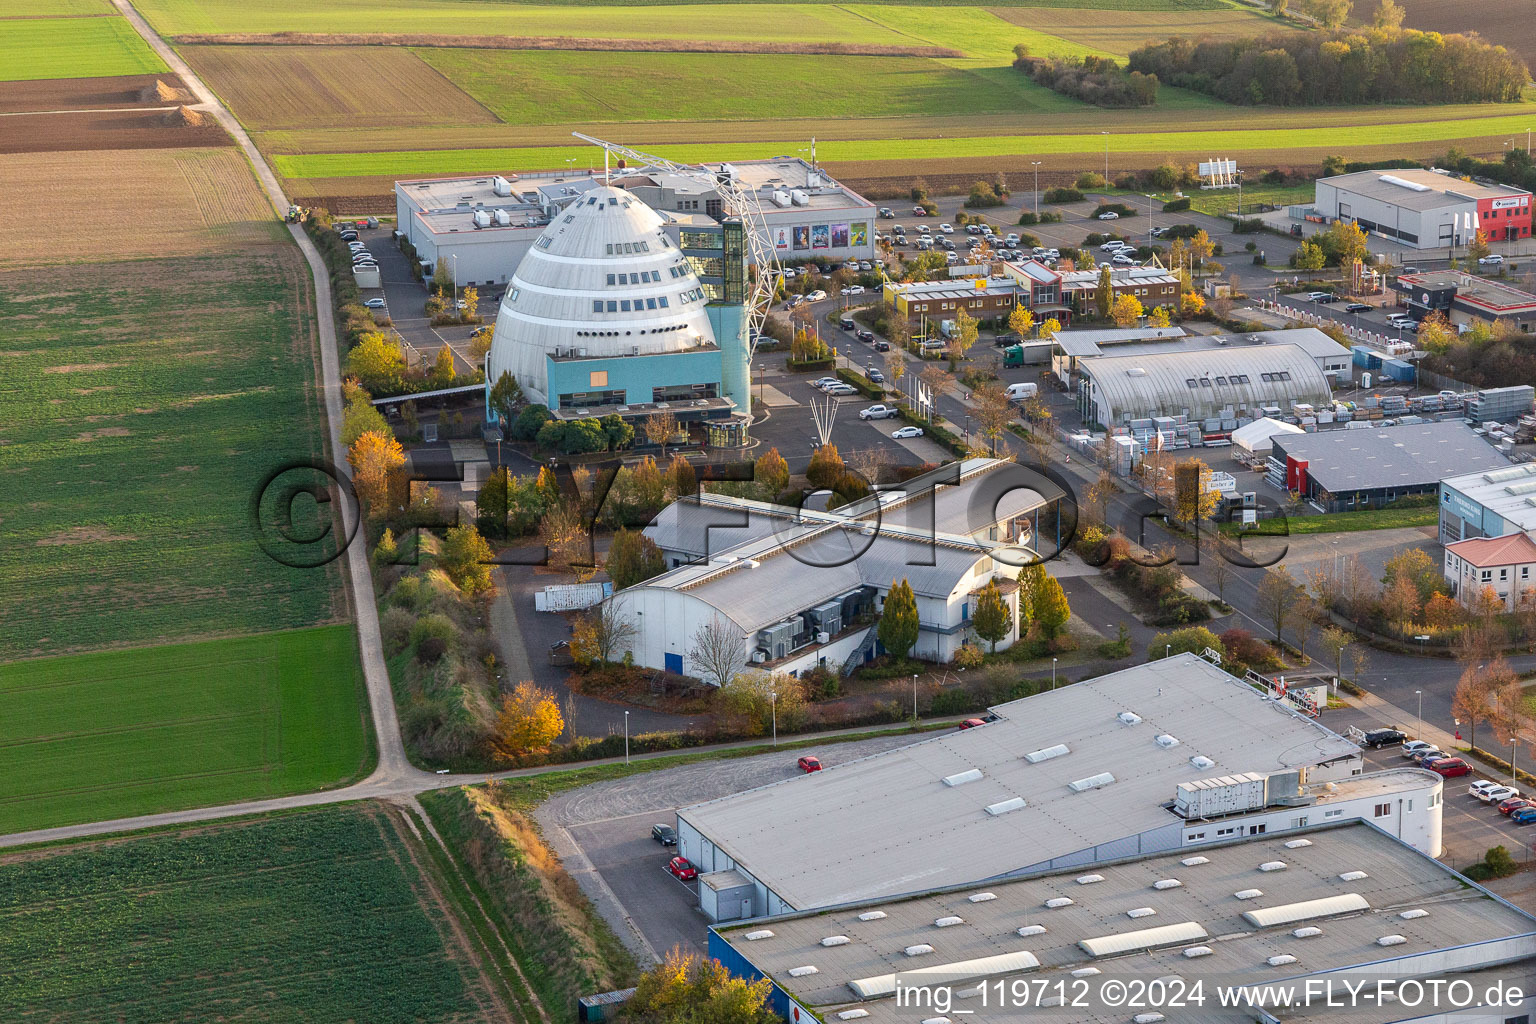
674, 663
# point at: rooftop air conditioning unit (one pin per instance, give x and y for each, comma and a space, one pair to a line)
482, 218
503, 218
800, 197
501, 186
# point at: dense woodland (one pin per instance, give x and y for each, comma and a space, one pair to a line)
1374, 65
1097, 80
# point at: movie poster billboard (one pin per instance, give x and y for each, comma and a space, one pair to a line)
802, 235
839, 236
781, 239
821, 236
858, 234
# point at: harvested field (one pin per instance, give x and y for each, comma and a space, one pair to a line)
91, 93
73, 48
169, 202
1123, 32
1507, 24
152, 128
276, 87
560, 43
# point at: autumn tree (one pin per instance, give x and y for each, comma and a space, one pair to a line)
687, 988
684, 480
991, 617
1309, 256
375, 457
470, 296
1277, 595
895, 364
1213, 554
1335, 640
1191, 303
633, 558
528, 721
1189, 640
1050, 609
650, 486
1400, 602
938, 382
966, 332
480, 344
659, 428
1099, 494
361, 417
717, 649
442, 374
1187, 492
898, 620
1443, 612
825, 468
1436, 335
1158, 317
993, 412
1021, 321
564, 535
506, 395
377, 364
466, 558
1104, 297
1050, 328
1388, 15
771, 472
1477, 246
1126, 310
1418, 568
755, 697
1201, 247
600, 634
1473, 700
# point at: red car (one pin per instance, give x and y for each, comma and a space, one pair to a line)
809, 764
1448, 767
1513, 804
680, 868
971, 723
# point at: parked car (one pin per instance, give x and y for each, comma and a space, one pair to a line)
682, 869
1378, 738
1498, 794
1479, 787
1011, 240
666, 835
1512, 804
946, 229
918, 211
906, 432
1524, 816
842, 389
882, 346
970, 723
825, 382
1124, 260
349, 236
846, 322
854, 289
816, 296
1411, 747
874, 375
1316, 296
1158, 232
1448, 766
1357, 307
865, 335
789, 273
1493, 259
1423, 757
809, 764
887, 212
375, 303
1328, 297
878, 412
1109, 215
479, 331
866, 266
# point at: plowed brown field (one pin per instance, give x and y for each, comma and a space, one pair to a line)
1506, 24
86, 93
132, 129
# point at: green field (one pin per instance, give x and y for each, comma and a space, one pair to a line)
56, 8
141, 404
319, 917
73, 48
555, 87
122, 733
477, 161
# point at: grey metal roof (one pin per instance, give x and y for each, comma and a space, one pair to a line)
896, 828
1434, 190
1092, 342
1156, 384
1414, 454
1398, 878
1309, 339
1492, 491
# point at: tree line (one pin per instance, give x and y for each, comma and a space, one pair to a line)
1097, 80
1370, 65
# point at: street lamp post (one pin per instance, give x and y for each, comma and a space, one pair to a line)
1167, 651
914, 696
626, 737
1053, 673
1106, 157
1036, 165
1420, 695
1514, 752
773, 704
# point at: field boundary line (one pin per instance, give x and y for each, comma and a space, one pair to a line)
407, 39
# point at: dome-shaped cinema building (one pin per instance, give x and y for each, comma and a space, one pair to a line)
605, 314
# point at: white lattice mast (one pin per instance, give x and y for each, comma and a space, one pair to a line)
736, 201
823, 414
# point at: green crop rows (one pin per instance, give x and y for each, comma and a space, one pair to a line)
73, 48
141, 405
121, 733
315, 918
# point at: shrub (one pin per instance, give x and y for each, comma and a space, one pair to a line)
1249, 650
1176, 205
1500, 863
395, 627
430, 636
955, 701
1090, 180
1248, 226
968, 656
1120, 208
1063, 195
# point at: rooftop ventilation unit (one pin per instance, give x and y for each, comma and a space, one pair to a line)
1392, 179
1309, 932
1290, 913
961, 778
1129, 718
948, 922
1248, 894
935, 1020
800, 972
835, 940
872, 915
1167, 883
1031, 929
918, 950
1391, 940
1353, 876
1089, 879
1167, 742
1297, 844
1046, 753
1194, 951
762, 933
963, 970
853, 1014
1146, 938
502, 218
1150, 1017
1057, 902
1202, 762
1191, 862
1086, 972
1091, 782
1414, 914
982, 897
1272, 865
1004, 806
1140, 912
1281, 960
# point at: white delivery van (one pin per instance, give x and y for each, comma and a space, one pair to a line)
1020, 392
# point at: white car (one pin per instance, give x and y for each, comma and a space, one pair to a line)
854, 289
866, 265
789, 273
877, 412
1497, 794
951, 258
1481, 786
1111, 246
374, 303
1124, 260
816, 296
825, 382
906, 432
1491, 260
1109, 215
841, 389
1413, 747
947, 229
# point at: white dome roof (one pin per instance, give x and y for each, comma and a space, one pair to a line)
603, 277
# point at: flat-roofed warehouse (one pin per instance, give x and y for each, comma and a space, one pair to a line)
1080, 774
1261, 911
1340, 470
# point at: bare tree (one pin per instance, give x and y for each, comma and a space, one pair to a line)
1213, 553
1473, 700
1277, 597
993, 411
660, 428
718, 649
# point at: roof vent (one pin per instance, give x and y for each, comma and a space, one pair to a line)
853, 1014
1309, 932
1414, 914
1248, 894
1140, 912
982, 897
1291, 913
1091, 782
1191, 862
1281, 960
1167, 883
1272, 865
1391, 940
1353, 876
1167, 742
948, 922
961, 778
1150, 1017
1202, 762
1036, 756
1129, 718
800, 972
1004, 806
918, 950
936, 1020
872, 915
1057, 902
1031, 929
1086, 972
835, 940
1297, 844
761, 934
1089, 879
1194, 951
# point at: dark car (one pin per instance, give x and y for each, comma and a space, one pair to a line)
1329, 297
666, 835
809, 764
882, 346
1524, 816
560, 654
1383, 738
1423, 757
680, 868
846, 323
1449, 767
865, 335
971, 723
1357, 307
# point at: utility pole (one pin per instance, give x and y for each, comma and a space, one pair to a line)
1106, 157
1036, 165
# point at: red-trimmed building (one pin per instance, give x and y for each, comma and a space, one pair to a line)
1505, 565
1465, 297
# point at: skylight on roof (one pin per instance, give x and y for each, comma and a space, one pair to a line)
961, 778
1046, 753
1091, 782
1004, 806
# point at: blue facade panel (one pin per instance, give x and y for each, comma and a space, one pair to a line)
635, 375
732, 960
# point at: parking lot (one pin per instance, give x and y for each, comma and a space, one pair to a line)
603, 834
